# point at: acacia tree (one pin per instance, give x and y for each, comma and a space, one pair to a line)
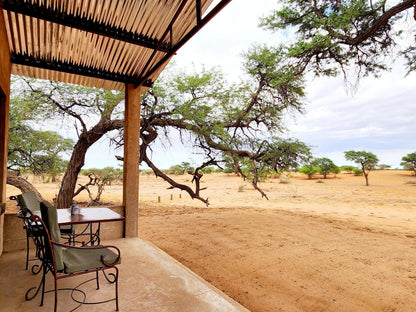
325, 166
235, 124
335, 36
409, 162
367, 160
92, 111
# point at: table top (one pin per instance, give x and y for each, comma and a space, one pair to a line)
88, 215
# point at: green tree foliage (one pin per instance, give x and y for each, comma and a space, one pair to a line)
367, 160
34, 151
325, 166
309, 170
237, 125
343, 36
409, 162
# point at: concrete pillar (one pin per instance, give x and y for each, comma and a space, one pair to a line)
5, 70
131, 159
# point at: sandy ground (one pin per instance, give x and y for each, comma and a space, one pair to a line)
315, 245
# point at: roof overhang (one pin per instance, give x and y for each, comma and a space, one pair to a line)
101, 43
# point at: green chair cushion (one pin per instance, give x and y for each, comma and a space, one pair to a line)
28, 200
77, 260
49, 216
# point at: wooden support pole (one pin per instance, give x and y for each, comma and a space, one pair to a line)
5, 72
131, 159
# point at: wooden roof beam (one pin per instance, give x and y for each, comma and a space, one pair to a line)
71, 68
201, 22
167, 31
82, 23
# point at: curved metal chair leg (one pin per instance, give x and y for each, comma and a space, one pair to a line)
27, 251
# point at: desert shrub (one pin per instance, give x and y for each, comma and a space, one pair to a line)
176, 169
357, 171
208, 170
348, 169
228, 170
146, 171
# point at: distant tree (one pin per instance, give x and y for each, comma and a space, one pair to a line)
187, 167
325, 166
309, 170
176, 169
409, 162
367, 160
282, 155
383, 167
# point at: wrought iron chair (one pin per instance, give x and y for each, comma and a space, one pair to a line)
24, 213
64, 261
28, 203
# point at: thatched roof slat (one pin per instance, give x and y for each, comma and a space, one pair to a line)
59, 39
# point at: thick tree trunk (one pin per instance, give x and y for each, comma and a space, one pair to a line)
86, 139
366, 179
22, 184
69, 181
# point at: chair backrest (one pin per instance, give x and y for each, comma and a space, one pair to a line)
29, 201
50, 218
36, 228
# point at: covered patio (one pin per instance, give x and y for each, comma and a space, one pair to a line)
117, 45
150, 281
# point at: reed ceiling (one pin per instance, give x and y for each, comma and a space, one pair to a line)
101, 43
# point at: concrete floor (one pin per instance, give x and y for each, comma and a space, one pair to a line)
150, 281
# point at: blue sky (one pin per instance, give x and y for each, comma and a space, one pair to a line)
378, 117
